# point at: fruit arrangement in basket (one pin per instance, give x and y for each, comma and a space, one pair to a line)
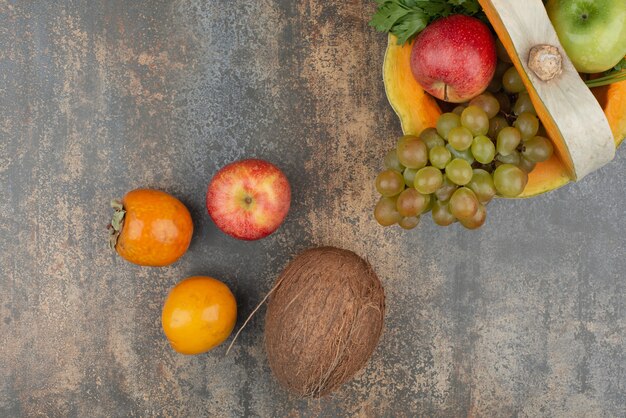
497, 98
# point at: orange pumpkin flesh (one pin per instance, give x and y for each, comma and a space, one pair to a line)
417, 110
612, 98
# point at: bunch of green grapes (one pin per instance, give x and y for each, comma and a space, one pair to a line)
479, 150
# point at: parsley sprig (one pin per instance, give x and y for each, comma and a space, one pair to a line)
407, 18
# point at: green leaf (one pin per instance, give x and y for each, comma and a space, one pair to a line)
435, 9
409, 26
618, 70
406, 18
466, 7
472, 7
387, 15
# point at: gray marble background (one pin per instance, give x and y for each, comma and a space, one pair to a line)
523, 318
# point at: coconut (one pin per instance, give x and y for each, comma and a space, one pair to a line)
323, 321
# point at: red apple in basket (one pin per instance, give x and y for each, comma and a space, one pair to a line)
248, 199
454, 58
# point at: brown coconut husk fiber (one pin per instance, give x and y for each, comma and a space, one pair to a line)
324, 319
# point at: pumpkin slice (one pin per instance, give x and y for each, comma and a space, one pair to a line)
612, 98
418, 110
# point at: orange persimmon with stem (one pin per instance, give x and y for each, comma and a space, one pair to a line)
150, 228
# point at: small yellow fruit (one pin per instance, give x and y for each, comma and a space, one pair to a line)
199, 314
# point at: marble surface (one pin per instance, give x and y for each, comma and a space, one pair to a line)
523, 318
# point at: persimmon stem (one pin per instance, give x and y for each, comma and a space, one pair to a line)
115, 227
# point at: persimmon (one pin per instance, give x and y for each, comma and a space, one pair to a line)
199, 313
150, 228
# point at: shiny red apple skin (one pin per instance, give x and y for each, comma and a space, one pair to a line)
454, 58
248, 199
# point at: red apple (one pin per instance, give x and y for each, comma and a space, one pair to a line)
454, 58
248, 199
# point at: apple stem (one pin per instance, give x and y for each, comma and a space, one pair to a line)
445, 92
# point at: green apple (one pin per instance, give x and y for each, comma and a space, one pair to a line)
593, 32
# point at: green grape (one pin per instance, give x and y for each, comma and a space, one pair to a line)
508, 139
542, 131
431, 138
409, 222
528, 125
495, 85
389, 183
496, 124
477, 220
385, 211
428, 180
441, 214
412, 152
446, 122
463, 203
483, 149
445, 191
406, 138
459, 109
392, 162
501, 51
476, 120
411, 203
505, 102
523, 104
512, 82
526, 165
538, 149
501, 68
464, 155
460, 138
482, 185
509, 180
488, 103
513, 158
459, 171
409, 176
439, 157
429, 206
